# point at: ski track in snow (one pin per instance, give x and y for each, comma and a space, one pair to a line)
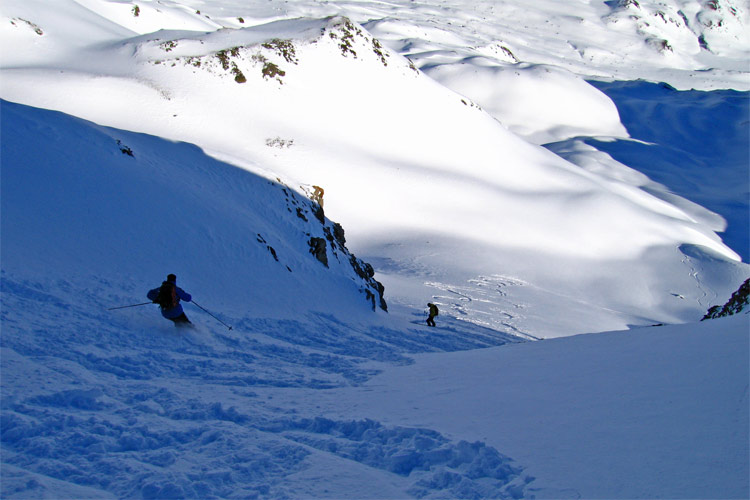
485, 300
131, 410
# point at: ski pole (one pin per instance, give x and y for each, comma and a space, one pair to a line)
131, 305
214, 317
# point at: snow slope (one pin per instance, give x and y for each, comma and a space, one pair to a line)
649, 413
501, 171
446, 202
311, 394
101, 403
75, 207
707, 168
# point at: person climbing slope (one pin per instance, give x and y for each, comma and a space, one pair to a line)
168, 296
433, 312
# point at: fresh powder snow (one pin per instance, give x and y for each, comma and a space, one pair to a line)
568, 183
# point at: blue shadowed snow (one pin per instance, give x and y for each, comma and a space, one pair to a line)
120, 404
699, 147
100, 404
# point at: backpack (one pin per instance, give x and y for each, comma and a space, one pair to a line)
167, 297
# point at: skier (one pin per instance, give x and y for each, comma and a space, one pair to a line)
433, 312
168, 296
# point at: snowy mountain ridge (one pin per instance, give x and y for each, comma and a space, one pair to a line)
517, 164
416, 173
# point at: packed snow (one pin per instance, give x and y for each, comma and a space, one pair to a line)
315, 173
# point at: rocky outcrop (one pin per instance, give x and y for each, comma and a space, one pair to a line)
737, 303
326, 241
318, 249
336, 237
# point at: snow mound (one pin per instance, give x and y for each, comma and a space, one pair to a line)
558, 104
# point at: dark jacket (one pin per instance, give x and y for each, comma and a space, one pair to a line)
176, 310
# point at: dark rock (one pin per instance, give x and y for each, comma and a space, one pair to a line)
736, 304
318, 249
